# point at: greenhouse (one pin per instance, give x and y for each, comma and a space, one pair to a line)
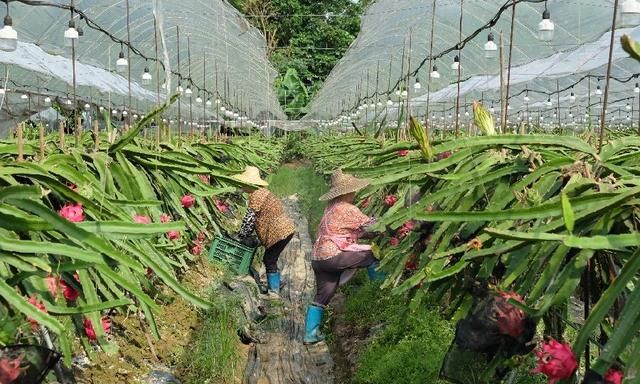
339, 191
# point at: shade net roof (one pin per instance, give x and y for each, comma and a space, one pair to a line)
393, 51
227, 58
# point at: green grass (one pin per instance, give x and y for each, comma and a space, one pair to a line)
303, 180
408, 345
213, 354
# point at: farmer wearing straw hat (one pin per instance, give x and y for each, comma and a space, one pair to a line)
336, 253
266, 216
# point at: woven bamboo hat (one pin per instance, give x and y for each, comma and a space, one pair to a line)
251, 175
342, 184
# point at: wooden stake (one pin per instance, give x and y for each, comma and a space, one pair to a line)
61, 133
20, 149
96, 134
41, 141
78, 131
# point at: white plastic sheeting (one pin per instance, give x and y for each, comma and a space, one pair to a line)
236, 71
32, 58
373, 67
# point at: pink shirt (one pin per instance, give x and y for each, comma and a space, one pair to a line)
339, 230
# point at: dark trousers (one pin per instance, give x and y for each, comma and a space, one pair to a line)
271, 254
328, 272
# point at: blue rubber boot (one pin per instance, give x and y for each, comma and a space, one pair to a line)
273, 280
312, 325
373, 274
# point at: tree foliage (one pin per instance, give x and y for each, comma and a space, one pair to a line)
305, 35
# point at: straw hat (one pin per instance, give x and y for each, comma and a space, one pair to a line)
251, 175
342, 184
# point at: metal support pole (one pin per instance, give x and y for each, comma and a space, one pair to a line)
608, 80
128, 60
179, 84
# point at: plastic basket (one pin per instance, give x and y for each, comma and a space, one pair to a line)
227, 251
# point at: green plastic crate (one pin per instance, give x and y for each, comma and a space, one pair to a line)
236, 255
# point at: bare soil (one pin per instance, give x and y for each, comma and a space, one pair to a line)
135, 359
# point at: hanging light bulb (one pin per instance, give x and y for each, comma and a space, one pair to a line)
490, 47
637, 88
389, 103
359, 107
466, 113
208, 103
71, 34
404, 93
492, 109
372, 105
434, 72
455, 66
24, 96
508, 107
47, 100
122, 63
546, 27
199, 99
630, 12
87, 106
188, 91
8, 35
628, 107
135, 116
572, 96
146, 77
125, 113
217, 101
223, 109
379, 103
179, 89
68, 102
101, 108
417, 84
526, 97
114, 112
549, 103
598, 90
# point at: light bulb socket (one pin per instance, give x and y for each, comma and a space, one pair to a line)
8, 21
546, 15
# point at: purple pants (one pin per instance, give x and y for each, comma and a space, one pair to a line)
328, 272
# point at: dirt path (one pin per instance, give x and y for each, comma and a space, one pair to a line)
281, 357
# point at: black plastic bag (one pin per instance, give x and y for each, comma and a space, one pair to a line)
26, 364
481, 342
